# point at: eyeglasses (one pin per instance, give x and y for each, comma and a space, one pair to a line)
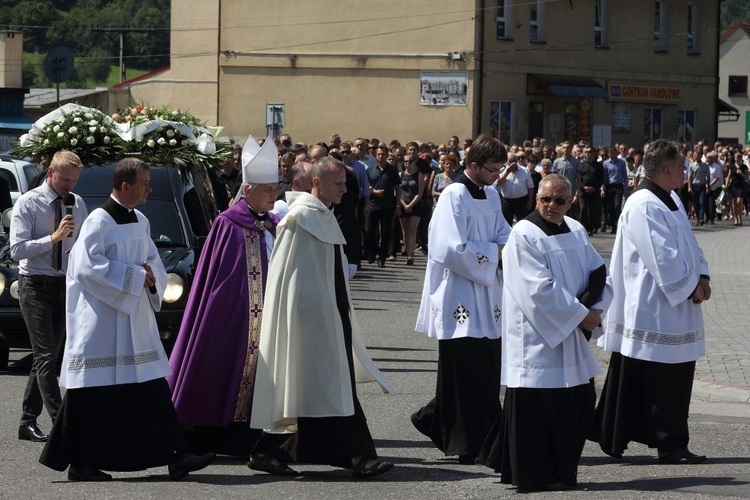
558, 201
492, 171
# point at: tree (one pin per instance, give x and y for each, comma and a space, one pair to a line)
33, 17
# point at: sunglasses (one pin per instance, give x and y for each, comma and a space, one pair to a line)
558, 201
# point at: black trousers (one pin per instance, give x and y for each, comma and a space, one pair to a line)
612, 203
711, 203
378, 226
515, 207
591, 210
42, 300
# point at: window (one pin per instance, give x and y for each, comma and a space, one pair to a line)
504, 21
601, 11
686, 125
737, 86
660, 26
692, 29
536, 21
652, 123
501, 120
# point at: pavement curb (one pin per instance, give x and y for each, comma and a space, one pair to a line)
715, 392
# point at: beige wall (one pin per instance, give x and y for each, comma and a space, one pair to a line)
11, 59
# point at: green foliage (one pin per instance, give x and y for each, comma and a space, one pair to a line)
733, 11
34, 16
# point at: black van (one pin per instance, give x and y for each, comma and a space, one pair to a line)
180, 209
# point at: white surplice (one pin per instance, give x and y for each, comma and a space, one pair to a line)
112, 336
656, 265
462, 293
543, 347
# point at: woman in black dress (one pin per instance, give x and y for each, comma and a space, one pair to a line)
412, 205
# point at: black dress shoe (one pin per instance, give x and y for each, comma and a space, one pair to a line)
680, 456
30, 432
87, 473
467, 460
189, 463
529, 488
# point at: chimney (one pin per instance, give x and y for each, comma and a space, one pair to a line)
11, 59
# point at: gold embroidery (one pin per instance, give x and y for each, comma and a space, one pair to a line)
253, 259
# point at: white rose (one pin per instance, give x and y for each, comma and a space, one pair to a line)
73, 142
190, 142
76, 120
93, 123
73, 130
56, 128
90, 139
103, 130
175, 113
92, 129
46, 141
170, 133
60, 135
106, 139
173, 142
88, 116
150, 143
162, 141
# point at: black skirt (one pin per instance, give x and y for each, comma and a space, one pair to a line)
467, 396
127, 427
643, 401
542, 435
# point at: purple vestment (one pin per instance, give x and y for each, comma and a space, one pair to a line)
210, 360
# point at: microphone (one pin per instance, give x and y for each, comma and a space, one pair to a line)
69, 201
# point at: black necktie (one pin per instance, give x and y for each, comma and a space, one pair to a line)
57, 249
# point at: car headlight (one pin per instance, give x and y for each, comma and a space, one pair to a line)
14, 289
2, 284
175, 288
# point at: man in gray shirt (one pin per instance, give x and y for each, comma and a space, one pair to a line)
46, 221
699, 175
569, 167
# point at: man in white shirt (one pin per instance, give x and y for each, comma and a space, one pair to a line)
715, 183
46, 221
516, 189
654, 326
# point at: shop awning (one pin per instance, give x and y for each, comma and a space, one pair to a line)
571, 86
726, 112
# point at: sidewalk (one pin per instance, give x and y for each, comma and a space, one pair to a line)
724, 373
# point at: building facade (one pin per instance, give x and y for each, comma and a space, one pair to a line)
603, 71
734, 70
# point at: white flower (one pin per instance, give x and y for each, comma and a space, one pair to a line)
76, 120
103, 130
172, 142
106, 139
189, 142
93, 123
56, 128
46, 141
90, 139
150, 143
73, 142
170, 133
60, 135
88, 116
92, 129
73, 130
175, 113
60, 120
162, 141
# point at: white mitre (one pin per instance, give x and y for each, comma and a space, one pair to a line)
260, 164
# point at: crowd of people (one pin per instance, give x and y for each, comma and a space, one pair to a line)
513, 292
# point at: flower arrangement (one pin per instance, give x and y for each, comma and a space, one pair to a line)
88, 132
158, 136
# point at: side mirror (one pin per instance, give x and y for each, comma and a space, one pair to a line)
6, 218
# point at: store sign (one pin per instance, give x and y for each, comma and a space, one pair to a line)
642, 93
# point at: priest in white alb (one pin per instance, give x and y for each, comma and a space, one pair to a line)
117, 412
461, 306
554, 294
654, 327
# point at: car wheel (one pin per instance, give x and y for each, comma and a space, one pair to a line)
4, 355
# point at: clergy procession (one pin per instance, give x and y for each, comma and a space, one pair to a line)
270, 355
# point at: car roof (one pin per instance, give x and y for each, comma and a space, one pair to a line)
97, 181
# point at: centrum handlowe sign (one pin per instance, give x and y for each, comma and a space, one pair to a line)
642, 93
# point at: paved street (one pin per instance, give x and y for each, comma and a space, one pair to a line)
387, 301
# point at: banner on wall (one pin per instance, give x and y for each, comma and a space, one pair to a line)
444, 88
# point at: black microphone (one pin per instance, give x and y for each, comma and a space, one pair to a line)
69, 201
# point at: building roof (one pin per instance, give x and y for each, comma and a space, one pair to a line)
44, 98
736, 26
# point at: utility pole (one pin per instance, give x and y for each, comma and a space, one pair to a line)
122, 32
